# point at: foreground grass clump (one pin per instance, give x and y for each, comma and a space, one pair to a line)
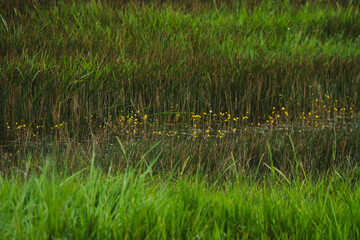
141, 205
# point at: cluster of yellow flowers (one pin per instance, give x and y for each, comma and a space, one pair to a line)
324, 113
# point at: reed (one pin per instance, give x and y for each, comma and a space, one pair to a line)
63, 62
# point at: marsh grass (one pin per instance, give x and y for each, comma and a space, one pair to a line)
141, 204
165, 120
66, 61
295, 154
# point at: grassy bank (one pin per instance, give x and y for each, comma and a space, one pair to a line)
145, 206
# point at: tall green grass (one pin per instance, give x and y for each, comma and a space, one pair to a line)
191, 119
143, 205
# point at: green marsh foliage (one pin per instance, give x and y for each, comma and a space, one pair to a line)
143, 205
62, 61
198, 119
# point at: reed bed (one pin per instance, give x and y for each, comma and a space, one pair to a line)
64, 62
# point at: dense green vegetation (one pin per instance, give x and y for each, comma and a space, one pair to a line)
200, 119
62, 61
143, 206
